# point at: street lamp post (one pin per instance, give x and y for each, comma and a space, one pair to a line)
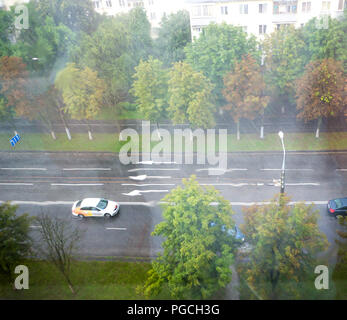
281, 135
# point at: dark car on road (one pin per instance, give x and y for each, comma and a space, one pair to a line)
338, 206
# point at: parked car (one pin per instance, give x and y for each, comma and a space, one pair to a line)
95, 207
235, 232
338, 206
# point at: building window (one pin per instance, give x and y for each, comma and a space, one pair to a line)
196, 12
108, 3
244, 28
96, 4
325, 5
262, 8
262, 29
306, 7
244, 8
342, 4
224, 10
153, 16
207, 11
150, 2
122, 3
289, 7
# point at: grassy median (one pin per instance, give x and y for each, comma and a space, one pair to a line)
95, 280
111, 143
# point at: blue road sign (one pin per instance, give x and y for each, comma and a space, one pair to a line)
14, 140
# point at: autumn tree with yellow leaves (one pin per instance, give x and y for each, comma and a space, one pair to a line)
321, 91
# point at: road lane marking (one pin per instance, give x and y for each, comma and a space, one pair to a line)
156, 162
286, 170
139, 192
29, 169
220, 169
87, 169
148, 184
341, 169
296, 184
36, 227
16, 184
121, 229
153, 169
144, 177
77, 184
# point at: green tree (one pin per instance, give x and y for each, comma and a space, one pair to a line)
6, 31
77, 15
197, 256
324, 43
45, 41
82, 92
15, 243
284, 63
244, 91
285, 240
174, 35
320, 91
216, 51
114, 50
150, 88
190, 97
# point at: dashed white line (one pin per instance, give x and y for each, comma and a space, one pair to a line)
286, 170
16, 184
220, 169
148, 184
120, 229
153, 169
77, 184
139, 192
87, 169
144, 177
341, 169
29, 169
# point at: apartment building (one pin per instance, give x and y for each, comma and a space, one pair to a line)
155, 9
260, 17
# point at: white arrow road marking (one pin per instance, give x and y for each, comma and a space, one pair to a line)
121, 229
77, 184
139, 192
87, 169
144, 177
148, 184
37, 169
295, 184
153, 169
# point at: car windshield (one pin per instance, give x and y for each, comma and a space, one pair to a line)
102, 204
338, 203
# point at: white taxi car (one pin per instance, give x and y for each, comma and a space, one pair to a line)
95, 207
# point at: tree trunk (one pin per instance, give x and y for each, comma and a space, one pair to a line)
159, 136
238, 129
318, 127
64, 122
89, 131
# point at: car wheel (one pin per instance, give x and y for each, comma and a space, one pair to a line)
107, 215
81, 216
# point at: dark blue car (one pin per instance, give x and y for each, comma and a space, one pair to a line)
235, 232
338, 206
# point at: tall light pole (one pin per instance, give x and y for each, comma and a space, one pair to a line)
281, 135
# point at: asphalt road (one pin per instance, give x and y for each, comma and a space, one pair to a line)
50, 182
